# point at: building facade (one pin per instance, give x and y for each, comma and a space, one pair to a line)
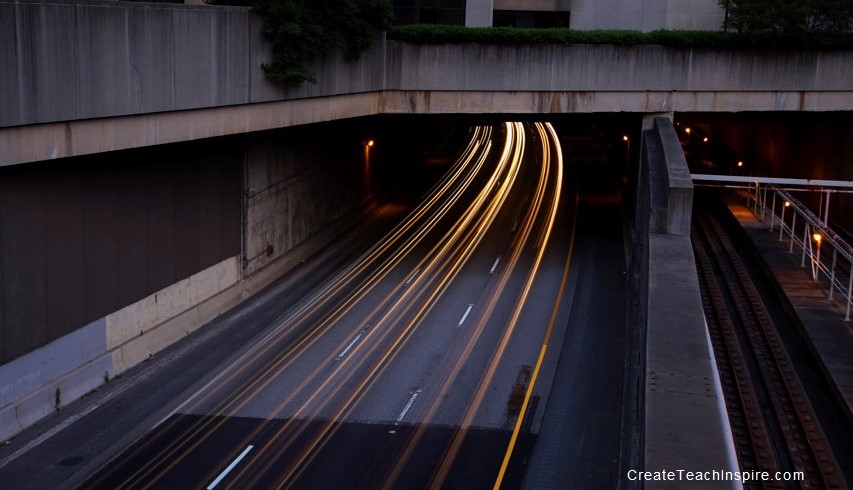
641, 15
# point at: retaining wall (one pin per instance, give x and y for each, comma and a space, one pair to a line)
297, 194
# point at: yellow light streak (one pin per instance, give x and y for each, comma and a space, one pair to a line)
450, 455
455, 237
202, 430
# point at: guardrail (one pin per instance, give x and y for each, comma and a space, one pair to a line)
810, 235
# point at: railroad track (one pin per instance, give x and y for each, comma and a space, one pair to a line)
773, 424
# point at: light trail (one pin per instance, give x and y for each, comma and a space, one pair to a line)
335, 386
450, 377
443, 249
448, 190
450, 456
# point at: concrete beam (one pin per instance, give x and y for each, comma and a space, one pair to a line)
23, 144
34, 143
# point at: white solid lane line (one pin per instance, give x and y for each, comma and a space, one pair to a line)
230, 467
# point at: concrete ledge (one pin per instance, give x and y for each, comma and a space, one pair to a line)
78, 362
686, 425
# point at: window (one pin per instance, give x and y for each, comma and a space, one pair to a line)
530, 18
429, 12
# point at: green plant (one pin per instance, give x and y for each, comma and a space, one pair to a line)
300, 30
440, 34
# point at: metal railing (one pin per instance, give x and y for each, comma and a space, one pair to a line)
828, 257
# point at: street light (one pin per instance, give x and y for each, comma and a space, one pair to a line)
817, 238
367, 176
627, 140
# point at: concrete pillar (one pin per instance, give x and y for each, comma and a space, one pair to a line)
478, 13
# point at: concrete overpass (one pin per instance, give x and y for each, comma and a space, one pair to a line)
137, 76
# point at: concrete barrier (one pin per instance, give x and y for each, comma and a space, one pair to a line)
684, 424
672, 186
44, 380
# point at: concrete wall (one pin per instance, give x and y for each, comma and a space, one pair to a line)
452, 79
67, 60
300, 193
681, 397
646, 15
45, 379
137, 58
609, 68
85, 237
298, 184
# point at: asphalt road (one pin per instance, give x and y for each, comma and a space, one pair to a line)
429, 360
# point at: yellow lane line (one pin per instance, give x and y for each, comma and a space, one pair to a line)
529, 392
450, 455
